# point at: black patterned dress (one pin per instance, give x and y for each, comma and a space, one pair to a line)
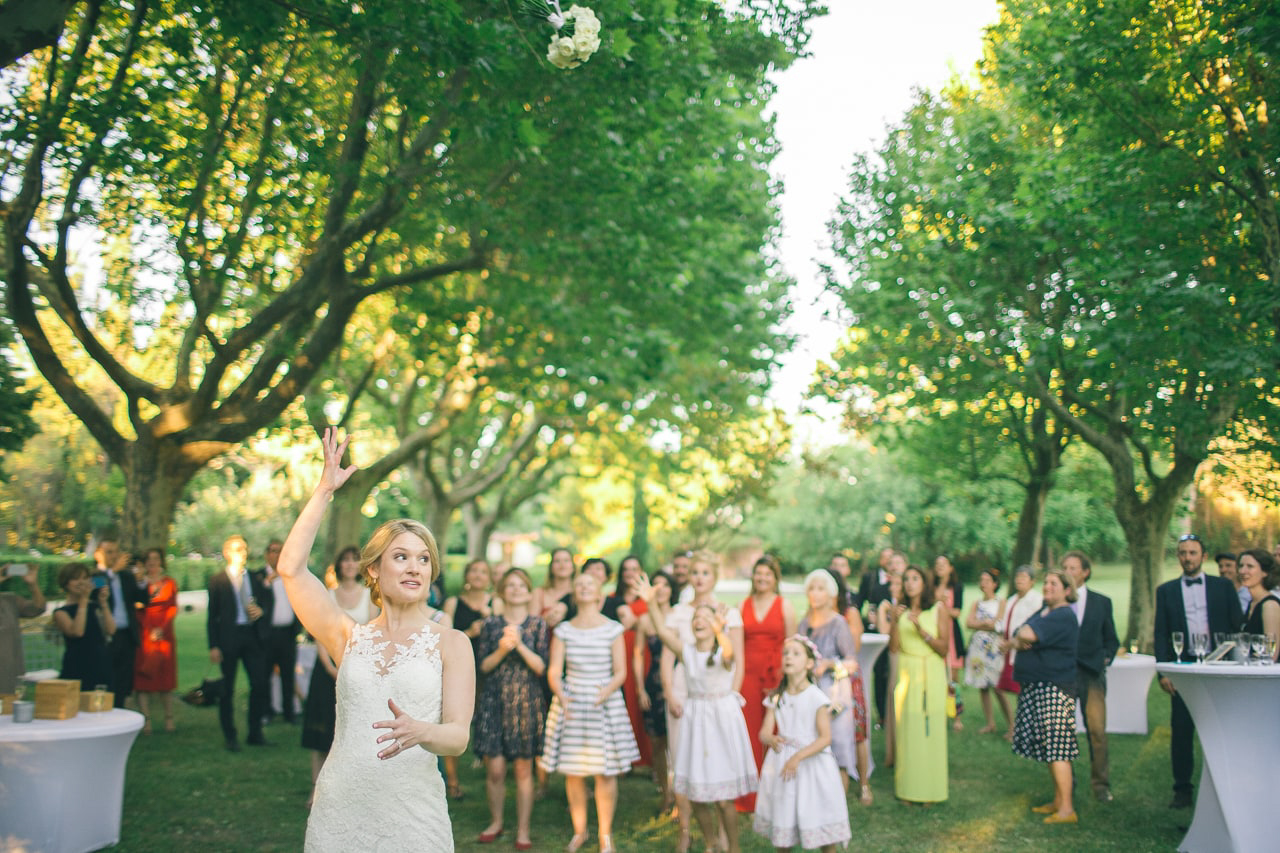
510, 708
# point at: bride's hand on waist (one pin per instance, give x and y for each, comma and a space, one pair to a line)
404, 732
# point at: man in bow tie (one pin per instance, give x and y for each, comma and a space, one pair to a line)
1195, 603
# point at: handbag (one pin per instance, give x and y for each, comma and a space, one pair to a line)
206, 694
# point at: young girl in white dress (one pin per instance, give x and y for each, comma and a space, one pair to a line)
713, 762
801, 800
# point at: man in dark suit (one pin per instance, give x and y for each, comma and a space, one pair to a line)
1195, 603
1095, 649
873, 589
282, 642
124, 598
238, 633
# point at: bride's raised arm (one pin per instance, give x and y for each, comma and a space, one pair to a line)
315, 608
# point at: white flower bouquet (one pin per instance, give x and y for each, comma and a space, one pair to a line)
577, 32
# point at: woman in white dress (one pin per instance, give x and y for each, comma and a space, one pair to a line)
800, 800
405, 688
985, 661
588, 730
702, 583
713, 762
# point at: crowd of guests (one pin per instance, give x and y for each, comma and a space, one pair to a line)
735, 707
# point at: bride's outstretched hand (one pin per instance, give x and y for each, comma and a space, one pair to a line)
334, 475
404, 732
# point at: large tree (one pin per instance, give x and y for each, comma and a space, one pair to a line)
251, 176
1062, 268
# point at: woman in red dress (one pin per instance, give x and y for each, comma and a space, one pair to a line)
627, 608
156, 666
767, 620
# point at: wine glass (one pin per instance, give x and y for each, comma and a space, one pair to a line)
1271, 648
1176, 636
1259, 644
1219, 637
1199, 645
1242, 645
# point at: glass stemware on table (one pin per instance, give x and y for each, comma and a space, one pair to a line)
1177, 638
1199, 646
1258, 643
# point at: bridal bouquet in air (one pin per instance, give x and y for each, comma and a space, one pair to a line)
577, 32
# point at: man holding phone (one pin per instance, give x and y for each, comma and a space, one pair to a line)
13, 608
124, 599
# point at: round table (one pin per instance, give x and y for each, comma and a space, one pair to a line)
1233, 707
51, 770
1129, 680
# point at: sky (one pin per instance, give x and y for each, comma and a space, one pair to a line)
867, 58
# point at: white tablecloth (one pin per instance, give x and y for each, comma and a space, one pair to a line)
873, 645
1128, 681
62, 781
1234, 711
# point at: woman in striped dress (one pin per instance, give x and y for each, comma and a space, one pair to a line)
588, 730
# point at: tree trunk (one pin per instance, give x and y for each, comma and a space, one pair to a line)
639, 520
345, 523
1026, 544
480, 527
1146, 527
156, 471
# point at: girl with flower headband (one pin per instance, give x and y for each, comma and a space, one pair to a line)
800, 799
713, 762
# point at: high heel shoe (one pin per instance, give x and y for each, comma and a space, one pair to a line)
489, 837
575, 843
606, 844
865, 795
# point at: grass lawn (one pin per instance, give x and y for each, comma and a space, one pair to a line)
184, 790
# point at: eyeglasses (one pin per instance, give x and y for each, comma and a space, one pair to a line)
1189, 537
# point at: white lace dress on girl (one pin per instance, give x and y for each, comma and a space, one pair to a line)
713, 761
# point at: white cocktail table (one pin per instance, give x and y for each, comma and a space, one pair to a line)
1233, 707
63, 780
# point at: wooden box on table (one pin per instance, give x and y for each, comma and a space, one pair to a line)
57, 698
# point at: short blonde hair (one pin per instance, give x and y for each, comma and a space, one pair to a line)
378, 543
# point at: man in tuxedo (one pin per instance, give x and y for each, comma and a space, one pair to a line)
124, 598
282, 641
1195, 603
839, 563
238, 633
873, 589
1095, 649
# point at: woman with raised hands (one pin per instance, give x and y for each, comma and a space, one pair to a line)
406, 686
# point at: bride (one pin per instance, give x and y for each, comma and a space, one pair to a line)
405, 686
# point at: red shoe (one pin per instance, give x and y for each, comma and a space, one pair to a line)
489, 837
524, 845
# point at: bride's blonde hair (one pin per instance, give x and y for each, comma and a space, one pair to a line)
378, 543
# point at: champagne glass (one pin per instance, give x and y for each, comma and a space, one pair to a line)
1242, 645
1219, 637
1176, 636
1259, 644
1200, 645
1271, 648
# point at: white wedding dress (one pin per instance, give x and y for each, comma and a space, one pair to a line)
363, 802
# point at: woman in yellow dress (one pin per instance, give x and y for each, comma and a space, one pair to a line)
920, 633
